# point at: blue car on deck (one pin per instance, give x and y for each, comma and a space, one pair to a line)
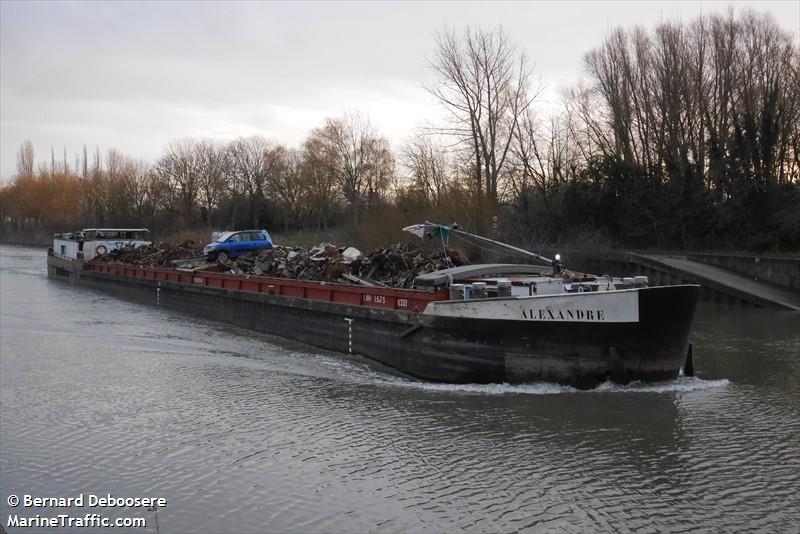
232, 244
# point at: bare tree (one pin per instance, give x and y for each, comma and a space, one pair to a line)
288, 187
319, 179
484, 84
359, 158
179, 166
543, 156
253, 163
379, 169
25, 159
143, 192
210, 159
119, 178
429, 168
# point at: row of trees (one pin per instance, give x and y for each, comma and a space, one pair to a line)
701, 124
687, 136
246, 182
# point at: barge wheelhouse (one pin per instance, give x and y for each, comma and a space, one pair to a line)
72, 250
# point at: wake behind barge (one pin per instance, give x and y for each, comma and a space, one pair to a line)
474, 324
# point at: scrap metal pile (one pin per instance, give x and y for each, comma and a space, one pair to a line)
394, 266
154, 255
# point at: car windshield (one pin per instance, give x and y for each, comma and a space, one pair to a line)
224, 237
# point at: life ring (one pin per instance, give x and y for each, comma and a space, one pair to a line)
100, 250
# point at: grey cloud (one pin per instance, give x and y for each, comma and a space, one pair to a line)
135, 75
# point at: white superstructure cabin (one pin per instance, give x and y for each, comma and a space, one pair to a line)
91, 242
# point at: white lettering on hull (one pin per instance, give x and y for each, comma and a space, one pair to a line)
605, 307
549, 314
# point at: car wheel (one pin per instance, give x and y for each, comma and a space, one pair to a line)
222, 257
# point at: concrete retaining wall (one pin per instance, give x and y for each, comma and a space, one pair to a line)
781, 271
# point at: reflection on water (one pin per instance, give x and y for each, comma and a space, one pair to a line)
244, 432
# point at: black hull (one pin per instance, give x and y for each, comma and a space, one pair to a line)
579, 354
64, 269
443, 349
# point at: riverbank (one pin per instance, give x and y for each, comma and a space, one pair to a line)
582, 255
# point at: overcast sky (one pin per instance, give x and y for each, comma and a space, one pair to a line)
134, 76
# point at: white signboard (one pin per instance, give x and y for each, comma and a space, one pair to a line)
602, 307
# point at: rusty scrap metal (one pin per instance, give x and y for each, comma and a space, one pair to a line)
394, 266
154, 255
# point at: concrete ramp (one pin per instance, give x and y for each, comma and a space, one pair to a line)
720, 280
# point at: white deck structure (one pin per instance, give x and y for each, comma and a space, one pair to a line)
91, 242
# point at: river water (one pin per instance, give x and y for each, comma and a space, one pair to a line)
242, 432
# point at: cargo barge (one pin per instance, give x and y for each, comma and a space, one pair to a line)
474, 324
